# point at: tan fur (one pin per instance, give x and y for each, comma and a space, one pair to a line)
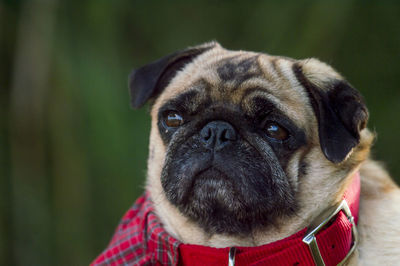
379, 222
379, 217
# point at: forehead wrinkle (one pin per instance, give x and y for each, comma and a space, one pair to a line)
287, 72
258, 92
192, 99
243, 89
267, 67
293, 114
279, 66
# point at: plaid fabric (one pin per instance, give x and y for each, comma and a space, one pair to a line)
140, 239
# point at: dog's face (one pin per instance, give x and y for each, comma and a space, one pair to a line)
239, 138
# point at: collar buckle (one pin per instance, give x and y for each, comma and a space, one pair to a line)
311, 240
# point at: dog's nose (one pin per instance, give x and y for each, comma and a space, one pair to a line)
217, 134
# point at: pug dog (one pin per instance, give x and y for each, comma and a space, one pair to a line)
248, 149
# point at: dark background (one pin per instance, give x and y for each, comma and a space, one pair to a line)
73, 153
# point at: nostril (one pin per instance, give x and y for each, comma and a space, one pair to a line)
229, 134
209, 134
206, 133
224, 136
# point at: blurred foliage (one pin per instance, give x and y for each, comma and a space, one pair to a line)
73, 153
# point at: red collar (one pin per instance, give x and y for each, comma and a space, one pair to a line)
141, 239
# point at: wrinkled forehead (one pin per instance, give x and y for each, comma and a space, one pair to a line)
237, 78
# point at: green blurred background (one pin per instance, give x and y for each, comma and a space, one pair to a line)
73, 153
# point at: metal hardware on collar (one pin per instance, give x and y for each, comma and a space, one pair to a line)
232, 253
311, 240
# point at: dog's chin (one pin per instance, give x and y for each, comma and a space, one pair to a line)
211, 187
215, 203
214, 186
219, 203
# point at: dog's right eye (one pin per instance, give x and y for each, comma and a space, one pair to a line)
173, 119
276, 131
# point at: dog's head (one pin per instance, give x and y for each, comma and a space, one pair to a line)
242, 141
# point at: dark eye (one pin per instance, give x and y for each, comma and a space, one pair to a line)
173, 119
275, 131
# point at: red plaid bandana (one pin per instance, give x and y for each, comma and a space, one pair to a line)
140, 239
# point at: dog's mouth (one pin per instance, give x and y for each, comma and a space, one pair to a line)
212, 173
209, 180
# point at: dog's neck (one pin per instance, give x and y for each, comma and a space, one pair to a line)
188, 232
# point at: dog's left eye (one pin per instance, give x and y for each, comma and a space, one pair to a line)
276, 131
173, 119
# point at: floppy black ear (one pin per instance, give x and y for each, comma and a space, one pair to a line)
149, 80
340, 110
